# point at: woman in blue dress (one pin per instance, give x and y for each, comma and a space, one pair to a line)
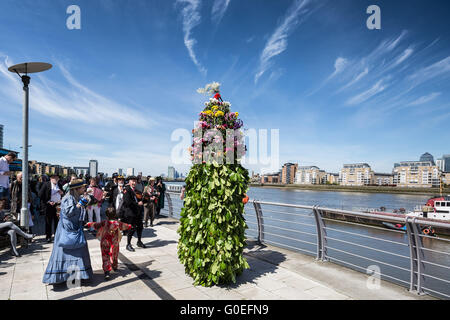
70, 250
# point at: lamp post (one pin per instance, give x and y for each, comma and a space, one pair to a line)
26, 68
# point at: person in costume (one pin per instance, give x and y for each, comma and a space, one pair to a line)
150, 201
109, 234
70, 250
50, 195
95, 208
131, 213
117, 193
161, 188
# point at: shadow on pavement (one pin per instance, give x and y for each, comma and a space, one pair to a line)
261, 262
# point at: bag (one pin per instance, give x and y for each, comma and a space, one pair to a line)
72, 240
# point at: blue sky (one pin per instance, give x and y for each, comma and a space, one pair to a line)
337, 91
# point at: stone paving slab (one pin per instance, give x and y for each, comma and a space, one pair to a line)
155, 273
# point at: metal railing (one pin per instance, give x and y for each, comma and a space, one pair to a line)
354, 239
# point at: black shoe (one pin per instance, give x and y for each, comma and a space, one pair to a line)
115, 269
141, 245
107, 276
151, 224
130, 248
15, 254
49, 240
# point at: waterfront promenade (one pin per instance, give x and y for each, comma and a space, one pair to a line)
155, 273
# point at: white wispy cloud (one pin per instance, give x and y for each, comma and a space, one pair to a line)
191, 18
277, 42
405, 55
218, 10
425, 99
355, 79
339, 66
70, 100
435, 70
366, 95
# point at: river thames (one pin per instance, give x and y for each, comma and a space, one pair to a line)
295, 229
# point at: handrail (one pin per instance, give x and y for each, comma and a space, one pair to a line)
321, 215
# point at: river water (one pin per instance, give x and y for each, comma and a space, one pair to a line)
389, 253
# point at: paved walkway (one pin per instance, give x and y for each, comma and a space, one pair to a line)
155, 273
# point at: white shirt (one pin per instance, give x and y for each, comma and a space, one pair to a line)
119, 199
4, 167
55, 197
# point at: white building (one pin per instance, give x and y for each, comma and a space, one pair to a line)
93, 168
130, 172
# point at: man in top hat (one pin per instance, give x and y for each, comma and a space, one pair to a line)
109, 189
117, 193
50, 195
131, 213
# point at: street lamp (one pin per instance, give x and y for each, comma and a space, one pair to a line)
26, 68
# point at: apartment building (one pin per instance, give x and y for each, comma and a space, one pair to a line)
356, 174
271, 178
310, 175
384, 179
288, 173
332, 178
420, 174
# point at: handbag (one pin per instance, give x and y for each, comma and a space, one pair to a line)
72, 239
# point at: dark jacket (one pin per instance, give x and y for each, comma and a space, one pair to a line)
130, 211
16, 196
162, 191
45, 193
109, 188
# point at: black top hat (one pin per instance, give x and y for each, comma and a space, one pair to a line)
132, 178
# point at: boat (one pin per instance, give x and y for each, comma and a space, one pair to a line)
436, 208
394, 226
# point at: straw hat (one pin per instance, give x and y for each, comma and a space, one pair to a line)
77, 183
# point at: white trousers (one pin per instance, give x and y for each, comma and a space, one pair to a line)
91, 211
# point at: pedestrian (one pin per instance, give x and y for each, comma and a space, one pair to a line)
4, 175
139, 184
97, 193
150, 200
109, 234
109, 189
117, 193
161, 188
11, 229
16, 200
70, 251
131, 213
66, 187
50, 195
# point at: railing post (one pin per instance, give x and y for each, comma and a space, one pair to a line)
321, 233
260, 220
169, 202
416, 255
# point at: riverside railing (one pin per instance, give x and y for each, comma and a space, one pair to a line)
356, 240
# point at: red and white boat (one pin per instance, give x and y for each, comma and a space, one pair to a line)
437, 208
